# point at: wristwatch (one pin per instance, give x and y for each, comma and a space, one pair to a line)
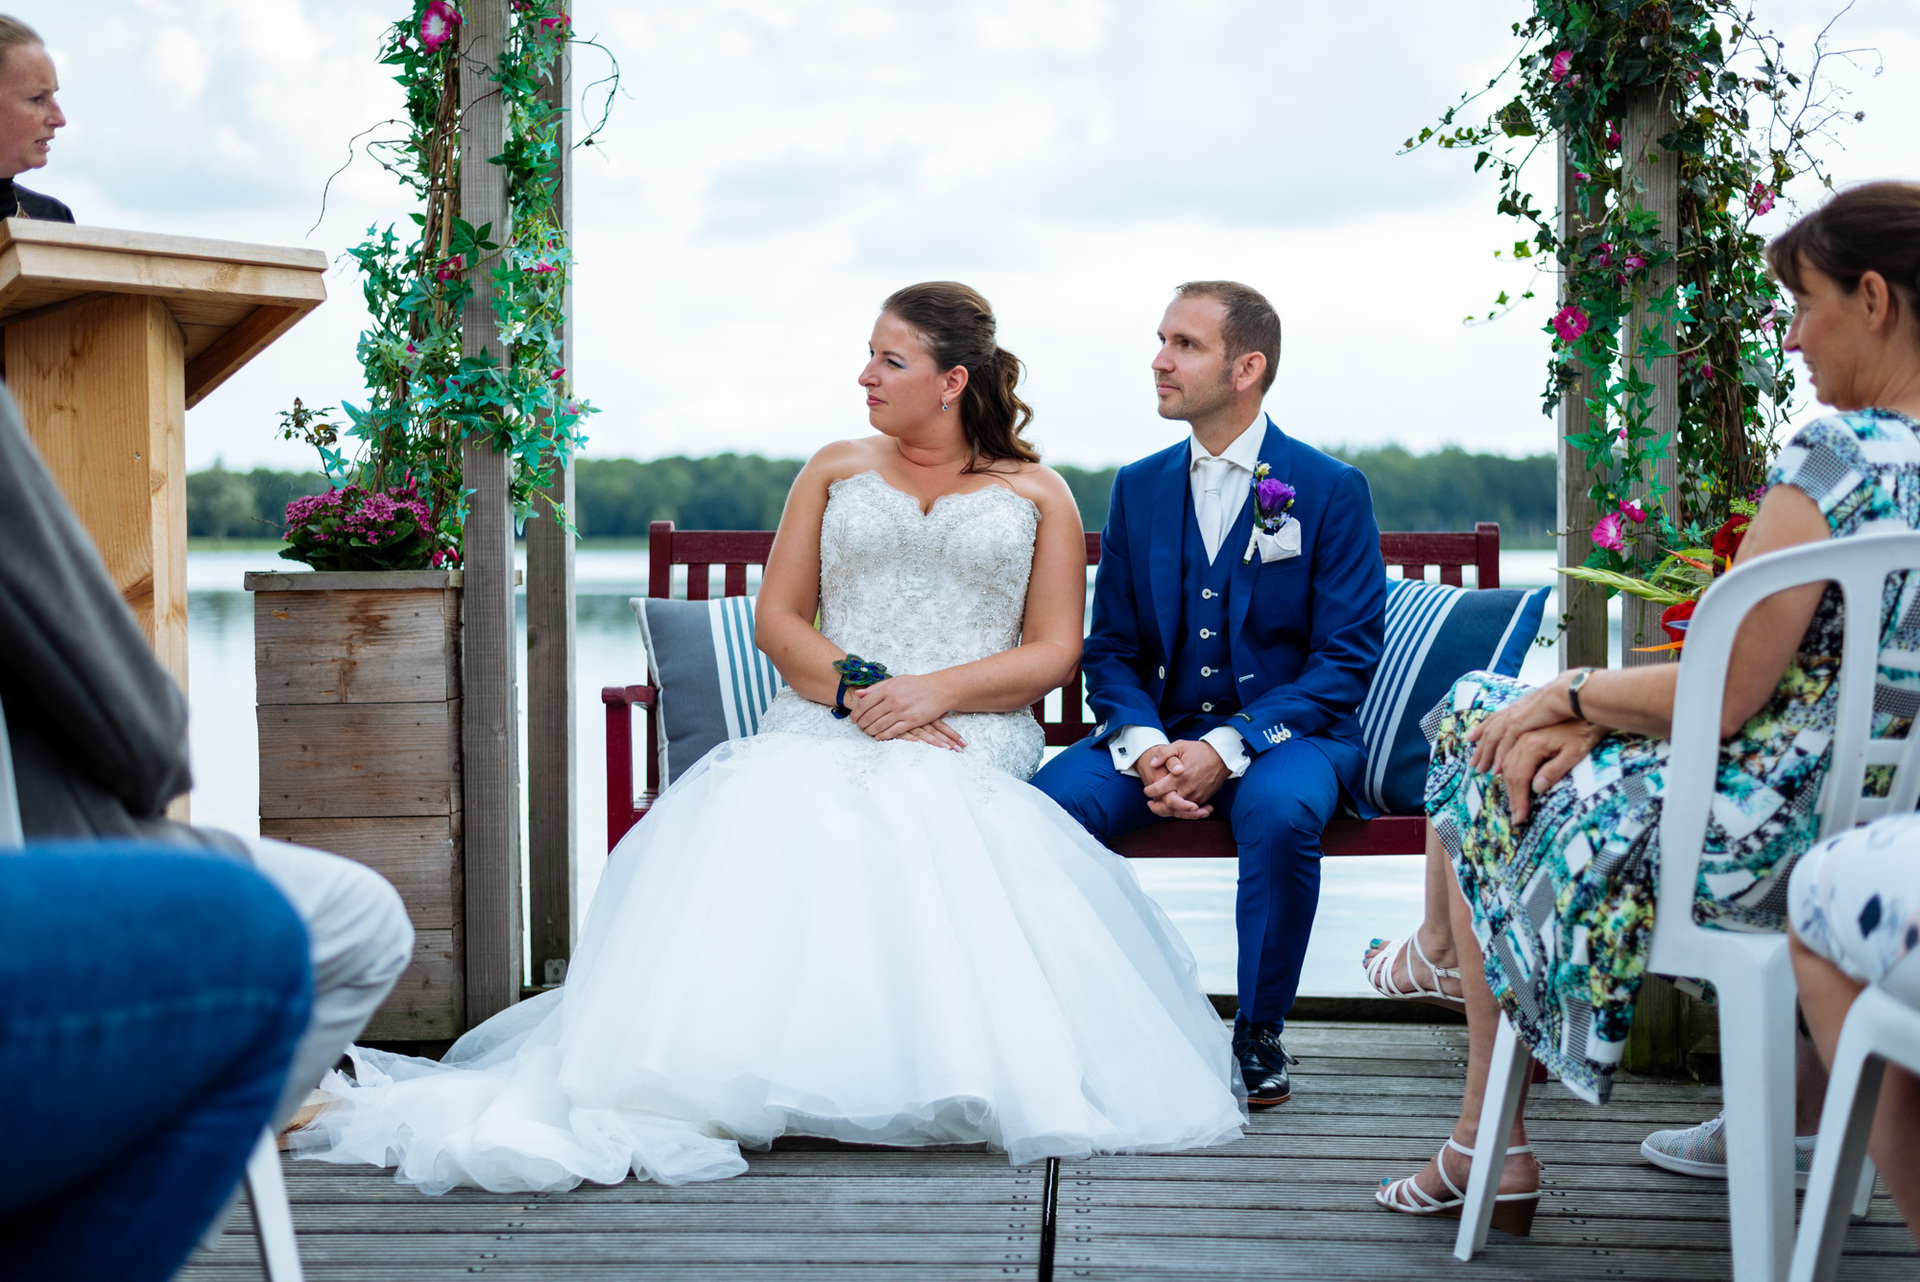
1573, 691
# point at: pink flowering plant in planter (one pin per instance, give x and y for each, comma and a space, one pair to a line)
354, 528
1744, 126
427, 395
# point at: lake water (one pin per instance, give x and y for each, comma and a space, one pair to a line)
1360, 898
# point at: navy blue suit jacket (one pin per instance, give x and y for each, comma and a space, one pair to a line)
1307, 629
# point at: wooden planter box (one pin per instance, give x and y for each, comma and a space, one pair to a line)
357, 686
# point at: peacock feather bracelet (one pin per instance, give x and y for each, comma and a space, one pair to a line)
855, 674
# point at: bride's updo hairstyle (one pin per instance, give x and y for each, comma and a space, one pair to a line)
957, 325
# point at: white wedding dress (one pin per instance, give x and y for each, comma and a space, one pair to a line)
815, 933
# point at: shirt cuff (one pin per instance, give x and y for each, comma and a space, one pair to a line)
1129, 742
1232, 749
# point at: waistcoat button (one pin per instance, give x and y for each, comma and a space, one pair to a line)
1205, 633
1206, 594
1206, 707
1206, 672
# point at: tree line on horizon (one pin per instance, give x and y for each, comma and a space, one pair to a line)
1448, 489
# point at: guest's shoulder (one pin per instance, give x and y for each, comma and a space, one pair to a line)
1849, 440
41, 208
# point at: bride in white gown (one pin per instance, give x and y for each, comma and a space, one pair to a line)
869, 929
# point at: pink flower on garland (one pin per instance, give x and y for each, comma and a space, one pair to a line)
1760, 199
1610, 532
1562, 64
560, 373
1570, 323
1633, 262
1603, 255
554, 24
438, 24
1632, 510
1613, 137
451, 267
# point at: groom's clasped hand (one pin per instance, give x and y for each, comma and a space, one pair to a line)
1181, 778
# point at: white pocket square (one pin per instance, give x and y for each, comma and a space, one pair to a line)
1277, 547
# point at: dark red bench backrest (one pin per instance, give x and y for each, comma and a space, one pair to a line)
736, 550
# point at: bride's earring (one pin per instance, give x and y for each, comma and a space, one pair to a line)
943, 407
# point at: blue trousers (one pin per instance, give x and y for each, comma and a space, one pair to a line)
1279, 809
150, 1000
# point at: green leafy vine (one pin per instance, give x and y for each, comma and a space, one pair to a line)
1742, 128
425, 397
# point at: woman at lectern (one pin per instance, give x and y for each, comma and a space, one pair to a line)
28, 118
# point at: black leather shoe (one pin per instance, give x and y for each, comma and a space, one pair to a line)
1263, 1063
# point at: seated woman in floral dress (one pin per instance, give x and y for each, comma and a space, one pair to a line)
1544, 804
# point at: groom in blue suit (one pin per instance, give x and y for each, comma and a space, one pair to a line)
1233, 640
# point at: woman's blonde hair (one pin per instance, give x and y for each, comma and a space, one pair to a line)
14, 32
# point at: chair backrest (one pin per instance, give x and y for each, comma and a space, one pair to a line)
1859, 565
736, 550
12, 835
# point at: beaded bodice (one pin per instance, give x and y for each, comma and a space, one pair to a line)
920, 592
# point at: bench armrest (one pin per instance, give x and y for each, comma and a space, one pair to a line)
622, 812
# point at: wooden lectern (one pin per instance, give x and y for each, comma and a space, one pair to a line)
110, 337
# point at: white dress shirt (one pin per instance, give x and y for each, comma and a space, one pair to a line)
1220, 485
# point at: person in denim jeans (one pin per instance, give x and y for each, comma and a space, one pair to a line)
150, 1003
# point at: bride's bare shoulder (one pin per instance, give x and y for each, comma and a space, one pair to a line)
838, 460
1040, 484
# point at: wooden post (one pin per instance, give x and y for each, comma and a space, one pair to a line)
1653, 182
1583, 605
1658, 1040
552, 787
490, 733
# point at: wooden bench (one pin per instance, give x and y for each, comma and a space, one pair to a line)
735, 550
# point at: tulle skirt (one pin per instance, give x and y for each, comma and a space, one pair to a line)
881, 943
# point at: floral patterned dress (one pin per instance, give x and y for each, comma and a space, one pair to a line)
1563, 906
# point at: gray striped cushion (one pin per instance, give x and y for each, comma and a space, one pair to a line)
713, 685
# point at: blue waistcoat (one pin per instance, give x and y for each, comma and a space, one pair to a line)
1201, 691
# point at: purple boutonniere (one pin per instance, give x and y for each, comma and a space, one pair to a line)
1271, 499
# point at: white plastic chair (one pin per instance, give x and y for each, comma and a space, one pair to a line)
266, 1186
1880, 1029
1750, 971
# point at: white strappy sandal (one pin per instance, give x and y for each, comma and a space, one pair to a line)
1512, 1212
1380, 968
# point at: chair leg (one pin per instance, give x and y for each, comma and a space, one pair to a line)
1757, 1055
1846, 1121
1863, 1195
272, 1217
1498, 1107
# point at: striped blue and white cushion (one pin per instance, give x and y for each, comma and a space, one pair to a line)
1435, 635
713, 685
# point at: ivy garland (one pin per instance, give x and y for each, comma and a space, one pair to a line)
1743, 126
426, 398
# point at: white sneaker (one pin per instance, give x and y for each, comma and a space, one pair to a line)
1701, 1151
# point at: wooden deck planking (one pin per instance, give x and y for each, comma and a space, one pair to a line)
1291, 1199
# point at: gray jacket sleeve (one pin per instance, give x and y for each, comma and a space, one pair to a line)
99, 728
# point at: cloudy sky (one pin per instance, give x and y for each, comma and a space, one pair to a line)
774, 168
